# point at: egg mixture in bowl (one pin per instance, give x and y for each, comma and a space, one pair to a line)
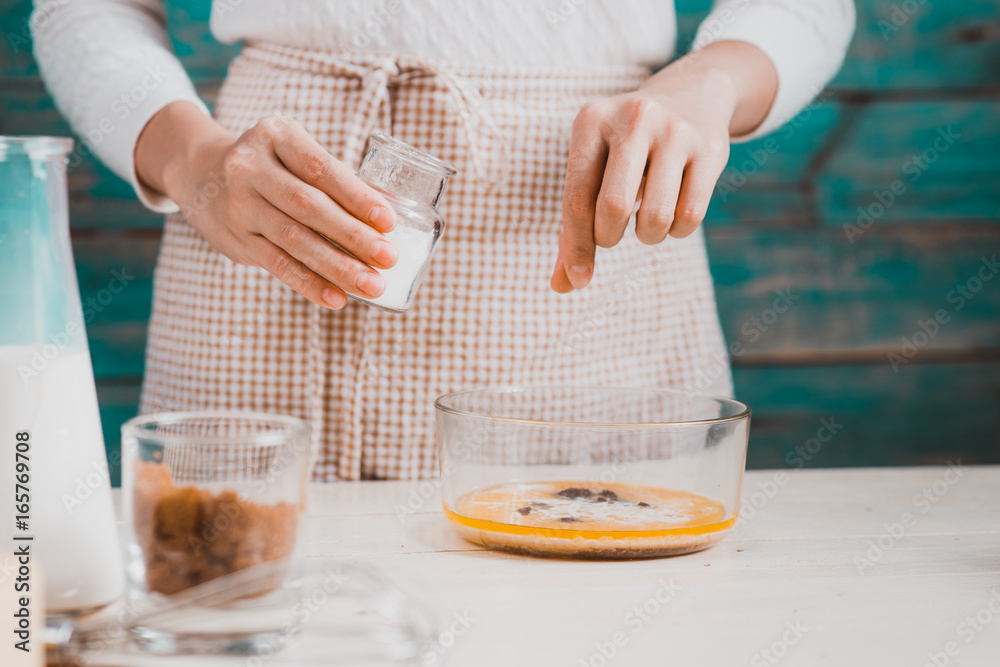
591, 472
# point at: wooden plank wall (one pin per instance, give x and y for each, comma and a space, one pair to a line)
785, 220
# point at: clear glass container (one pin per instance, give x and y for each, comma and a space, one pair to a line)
413, 182
51, 441
209, 495
591, 472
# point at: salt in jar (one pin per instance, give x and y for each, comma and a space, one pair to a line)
413, 183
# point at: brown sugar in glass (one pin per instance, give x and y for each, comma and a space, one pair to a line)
189, 535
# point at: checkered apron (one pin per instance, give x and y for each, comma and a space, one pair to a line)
226, 336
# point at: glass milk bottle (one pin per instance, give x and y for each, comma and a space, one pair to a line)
54, 484
413, 182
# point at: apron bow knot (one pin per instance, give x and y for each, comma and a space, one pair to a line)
378, 76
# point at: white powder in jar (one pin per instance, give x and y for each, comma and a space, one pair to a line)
414, 247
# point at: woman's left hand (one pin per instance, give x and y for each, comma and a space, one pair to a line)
665, 144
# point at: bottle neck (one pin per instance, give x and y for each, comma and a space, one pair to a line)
39, 295
404, 172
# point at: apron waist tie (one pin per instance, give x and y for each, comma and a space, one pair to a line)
380, 75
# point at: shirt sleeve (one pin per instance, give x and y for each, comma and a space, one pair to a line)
109, 66
806, 41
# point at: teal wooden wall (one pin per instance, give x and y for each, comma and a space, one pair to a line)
777, 223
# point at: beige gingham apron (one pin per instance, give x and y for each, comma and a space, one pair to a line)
225, 336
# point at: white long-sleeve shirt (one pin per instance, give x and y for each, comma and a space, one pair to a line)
109, 66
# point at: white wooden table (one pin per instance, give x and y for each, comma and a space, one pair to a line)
826, 567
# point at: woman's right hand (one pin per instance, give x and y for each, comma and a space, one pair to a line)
268, 198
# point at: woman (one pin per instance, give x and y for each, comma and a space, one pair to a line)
551, 114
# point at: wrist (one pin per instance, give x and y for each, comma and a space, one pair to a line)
712, 89
168, 148
740, 74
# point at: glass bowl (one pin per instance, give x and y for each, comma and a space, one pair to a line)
591, 472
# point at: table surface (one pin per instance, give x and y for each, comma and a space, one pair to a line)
890, 566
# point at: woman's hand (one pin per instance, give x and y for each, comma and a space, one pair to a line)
273, 198
666, 144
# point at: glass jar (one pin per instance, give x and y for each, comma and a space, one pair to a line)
413, 182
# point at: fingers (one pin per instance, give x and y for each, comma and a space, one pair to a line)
318, 256
317, 211
295, 274
270, 216
304, 157
700, 175
584, 171
560, 278
622, 176
659, 196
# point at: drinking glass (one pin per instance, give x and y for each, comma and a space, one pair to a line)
209, 495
